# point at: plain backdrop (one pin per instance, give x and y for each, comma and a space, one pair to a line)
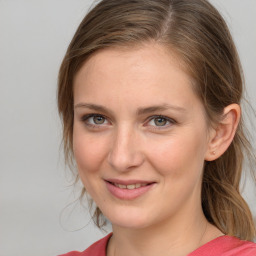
34, 35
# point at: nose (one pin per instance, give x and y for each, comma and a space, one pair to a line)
125, 153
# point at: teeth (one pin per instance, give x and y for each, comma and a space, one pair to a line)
138, 185
131, 186
121, 186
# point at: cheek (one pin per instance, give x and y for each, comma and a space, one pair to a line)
178, 155
89, 151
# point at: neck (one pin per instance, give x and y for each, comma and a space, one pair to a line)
176, 237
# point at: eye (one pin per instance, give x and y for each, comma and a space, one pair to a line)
160, 122
98, 119
94, 120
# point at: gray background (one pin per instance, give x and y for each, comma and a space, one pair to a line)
33, 181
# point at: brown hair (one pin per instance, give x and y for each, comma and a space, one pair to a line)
198, 34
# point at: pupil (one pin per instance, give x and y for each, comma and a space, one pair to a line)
98, 120
160, 121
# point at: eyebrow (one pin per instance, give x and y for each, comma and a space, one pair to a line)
93, 107
140, 111
162, 107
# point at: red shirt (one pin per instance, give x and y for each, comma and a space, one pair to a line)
221, 246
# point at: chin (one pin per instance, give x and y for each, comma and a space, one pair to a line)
130, 223
129, 218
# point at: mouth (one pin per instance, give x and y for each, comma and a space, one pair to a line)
130, 189
130, 186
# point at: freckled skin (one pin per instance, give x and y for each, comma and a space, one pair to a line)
128, 146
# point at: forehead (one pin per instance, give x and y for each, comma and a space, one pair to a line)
134, 56
144, 73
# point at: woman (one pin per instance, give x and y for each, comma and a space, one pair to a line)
149, 94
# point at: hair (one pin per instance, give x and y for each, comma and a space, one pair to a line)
199, 35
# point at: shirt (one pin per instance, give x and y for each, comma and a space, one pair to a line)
221, 246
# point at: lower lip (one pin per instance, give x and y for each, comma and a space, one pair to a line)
128, 194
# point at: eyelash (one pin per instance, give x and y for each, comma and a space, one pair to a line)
171, 121
85, 119
167, 119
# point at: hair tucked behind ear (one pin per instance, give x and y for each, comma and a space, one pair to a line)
199, 35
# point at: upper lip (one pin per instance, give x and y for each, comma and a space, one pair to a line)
129, 182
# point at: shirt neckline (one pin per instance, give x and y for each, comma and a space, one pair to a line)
208, 244
193, 253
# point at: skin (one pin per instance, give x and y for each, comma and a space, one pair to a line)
127, 140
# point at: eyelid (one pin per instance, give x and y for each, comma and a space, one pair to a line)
170, 120
85, 118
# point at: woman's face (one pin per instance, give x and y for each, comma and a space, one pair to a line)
140, 136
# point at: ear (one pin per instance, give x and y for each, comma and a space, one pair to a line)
222, 135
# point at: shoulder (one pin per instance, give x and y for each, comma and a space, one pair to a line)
96, 249
235, 246
226, 246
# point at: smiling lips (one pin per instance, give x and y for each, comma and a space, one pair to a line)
128, 190
131, 186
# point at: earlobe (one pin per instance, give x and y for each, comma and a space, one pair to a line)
224, 132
